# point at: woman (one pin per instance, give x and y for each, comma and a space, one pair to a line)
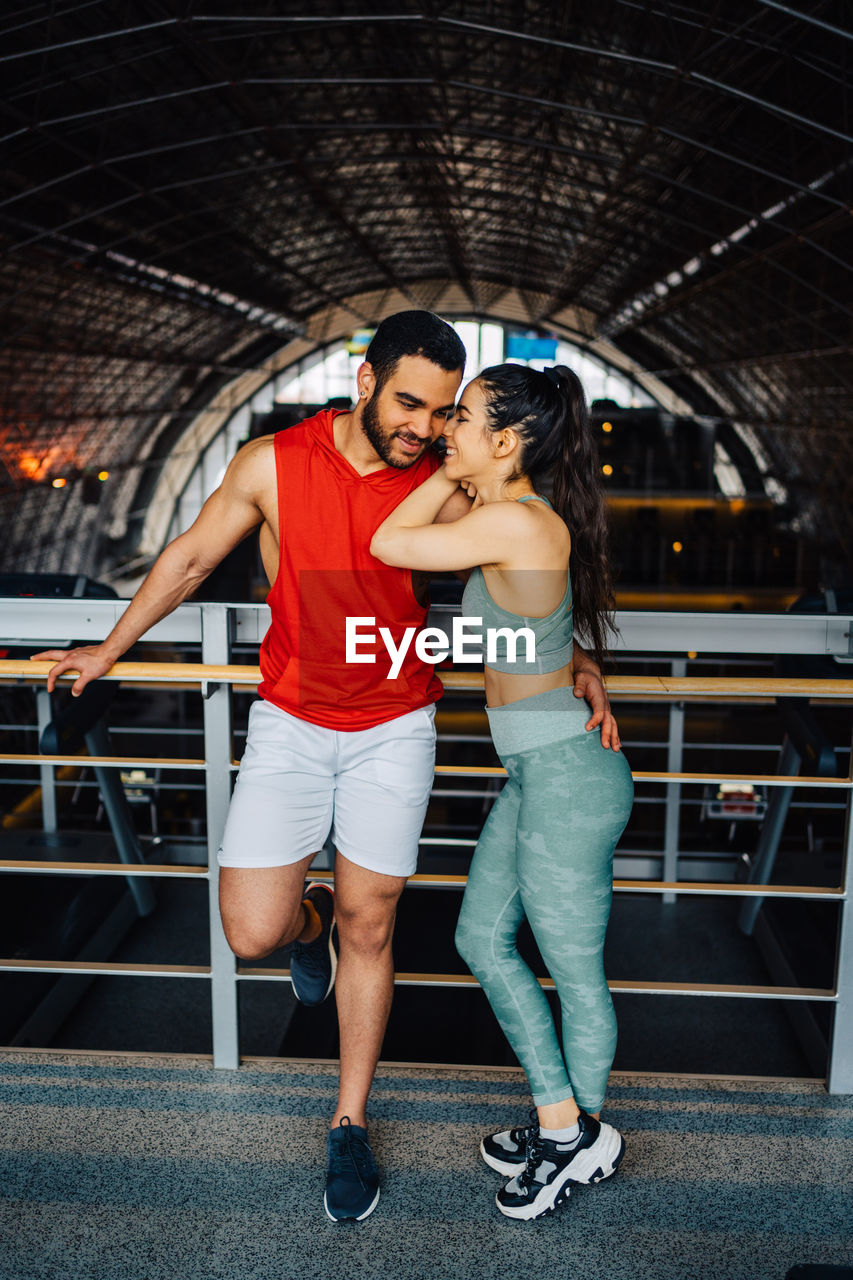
546, 851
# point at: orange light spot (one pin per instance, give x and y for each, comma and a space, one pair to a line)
39, 466
607, 426
677, 547
103, 475
607, 469
59, 483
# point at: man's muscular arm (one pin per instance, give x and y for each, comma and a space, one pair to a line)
456, 506
229, 514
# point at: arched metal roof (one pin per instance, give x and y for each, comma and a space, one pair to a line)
189, 187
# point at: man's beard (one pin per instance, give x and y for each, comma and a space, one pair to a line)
382, 442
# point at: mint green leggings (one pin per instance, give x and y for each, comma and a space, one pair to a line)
546, 852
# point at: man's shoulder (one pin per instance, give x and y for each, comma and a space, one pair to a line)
257, 452
250, 469
308, 432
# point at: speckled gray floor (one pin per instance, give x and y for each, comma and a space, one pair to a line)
132, 1167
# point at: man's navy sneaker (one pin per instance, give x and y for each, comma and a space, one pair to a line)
352, 1179
507, 1151
313, 964
552, 1167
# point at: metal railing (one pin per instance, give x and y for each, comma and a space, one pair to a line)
216, 627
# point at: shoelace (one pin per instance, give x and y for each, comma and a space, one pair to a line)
349, 1155
533, 1156
522, 1134
311, 956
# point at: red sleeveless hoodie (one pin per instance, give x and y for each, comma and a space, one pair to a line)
327, 516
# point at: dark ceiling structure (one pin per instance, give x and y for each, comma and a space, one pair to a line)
188, 186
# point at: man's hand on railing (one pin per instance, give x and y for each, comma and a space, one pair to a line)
590, 686
92, 661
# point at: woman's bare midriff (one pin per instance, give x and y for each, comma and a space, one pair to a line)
503, 687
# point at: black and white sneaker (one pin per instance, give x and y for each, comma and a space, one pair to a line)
352, 1179
507, 1151
313, 964
552, 1167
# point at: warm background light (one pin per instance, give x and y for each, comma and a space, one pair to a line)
607, 469
677, 546
60, 482
103, 475
38, 466
607, 426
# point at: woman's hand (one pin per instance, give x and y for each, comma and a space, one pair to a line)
471, 489
590, 686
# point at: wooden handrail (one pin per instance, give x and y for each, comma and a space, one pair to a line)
112, 762
750, 991
664, 687
422, 880
655, 687
142, 672
47, 866
108, 968
443, 770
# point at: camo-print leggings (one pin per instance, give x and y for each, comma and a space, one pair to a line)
546, 853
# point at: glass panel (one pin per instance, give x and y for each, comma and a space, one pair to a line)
330, 373
469, 332
491, 345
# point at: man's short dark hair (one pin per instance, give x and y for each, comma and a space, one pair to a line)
414, 333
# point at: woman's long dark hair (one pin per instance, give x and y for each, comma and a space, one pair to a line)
548, 411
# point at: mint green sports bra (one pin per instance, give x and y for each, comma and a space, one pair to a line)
553, 632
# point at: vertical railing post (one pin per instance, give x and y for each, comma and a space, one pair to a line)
674, 759
770, 837
839, 1077
215, 649
48, 776
120, 818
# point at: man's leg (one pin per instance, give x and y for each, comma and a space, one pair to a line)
383, 784
366, 903
281, 809
262, 908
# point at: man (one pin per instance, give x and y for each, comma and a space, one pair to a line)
333, 743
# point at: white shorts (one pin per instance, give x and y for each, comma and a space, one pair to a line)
297, 781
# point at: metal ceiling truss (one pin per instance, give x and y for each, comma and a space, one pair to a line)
189, 183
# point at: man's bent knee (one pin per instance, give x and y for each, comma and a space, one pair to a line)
366, 935
261, 908
251, 943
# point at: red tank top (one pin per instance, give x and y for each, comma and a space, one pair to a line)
327, 515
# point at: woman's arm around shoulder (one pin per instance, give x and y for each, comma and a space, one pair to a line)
494, 533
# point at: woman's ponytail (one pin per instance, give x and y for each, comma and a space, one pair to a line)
579, 499
548, 410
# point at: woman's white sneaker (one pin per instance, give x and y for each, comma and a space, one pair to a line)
552, 1167
507, 1151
